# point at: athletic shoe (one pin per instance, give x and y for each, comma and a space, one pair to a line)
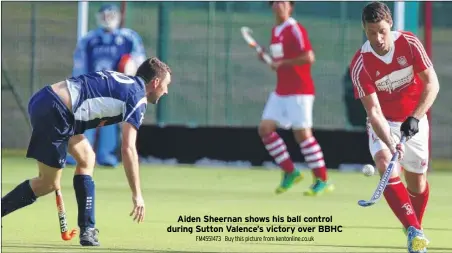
319, 187
288, 180
417, 242
88, 237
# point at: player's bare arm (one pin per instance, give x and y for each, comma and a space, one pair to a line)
410, 126
377, 120
131, 167
431, 89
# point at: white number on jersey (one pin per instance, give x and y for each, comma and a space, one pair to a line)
141, 118
121, 78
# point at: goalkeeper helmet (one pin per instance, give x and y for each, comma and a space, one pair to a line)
109, 17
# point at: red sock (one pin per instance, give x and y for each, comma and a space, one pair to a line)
398, 199
313, 156
419, 201
278, 150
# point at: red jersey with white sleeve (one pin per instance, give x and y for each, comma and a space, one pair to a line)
288, 41
394, 76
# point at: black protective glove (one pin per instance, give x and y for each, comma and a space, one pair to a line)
410, 127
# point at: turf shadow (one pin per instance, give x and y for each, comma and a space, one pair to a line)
74, 248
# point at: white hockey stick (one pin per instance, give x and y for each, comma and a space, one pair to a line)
246, 33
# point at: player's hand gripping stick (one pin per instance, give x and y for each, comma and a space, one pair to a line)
65, 234
384, 179
246, 34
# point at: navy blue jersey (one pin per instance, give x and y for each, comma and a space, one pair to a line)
102, 50
107, 97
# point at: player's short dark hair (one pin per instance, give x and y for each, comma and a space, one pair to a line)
375, 12
292, 3
152, 68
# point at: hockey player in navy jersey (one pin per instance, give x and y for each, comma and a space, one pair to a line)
107, 48
60, 113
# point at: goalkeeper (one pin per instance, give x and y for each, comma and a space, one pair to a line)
108, 47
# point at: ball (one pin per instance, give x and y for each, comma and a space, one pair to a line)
368, 170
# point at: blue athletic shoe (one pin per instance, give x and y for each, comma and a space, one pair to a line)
417, 242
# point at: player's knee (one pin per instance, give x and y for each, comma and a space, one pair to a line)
50, 182
416, 182
83, 153
266, 128
47, 185
302, 134
382, 159
87, 160
50, 185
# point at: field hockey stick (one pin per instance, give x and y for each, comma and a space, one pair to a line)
65, 234
384, 180
246, 33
